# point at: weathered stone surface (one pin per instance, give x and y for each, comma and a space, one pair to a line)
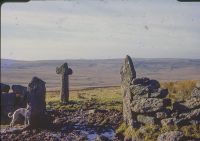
162, 114
127, 71
192, 103
161, 93
171, 136
65, 72
7, 103
138, 91
127, 75
147, 105
146, 119
18, 89
36, 100
144, 81
196, 92
168, 121
4, 88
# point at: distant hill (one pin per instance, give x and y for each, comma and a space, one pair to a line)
92, 73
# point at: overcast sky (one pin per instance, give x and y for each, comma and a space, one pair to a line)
97, 29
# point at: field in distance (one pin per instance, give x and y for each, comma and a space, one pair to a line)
97, 73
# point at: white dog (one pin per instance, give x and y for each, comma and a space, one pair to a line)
21, 111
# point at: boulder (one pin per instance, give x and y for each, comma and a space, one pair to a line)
18, 89
138, 91
192, 103
146, 119
141, 81
147, 105
161, 93
153, 85
171, 136
4, 88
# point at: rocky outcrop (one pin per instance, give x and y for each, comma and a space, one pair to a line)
145, 103
142, 97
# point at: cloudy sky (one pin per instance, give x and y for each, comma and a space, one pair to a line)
96, 29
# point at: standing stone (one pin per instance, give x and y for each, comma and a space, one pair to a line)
64, 92
127, 75
36, 101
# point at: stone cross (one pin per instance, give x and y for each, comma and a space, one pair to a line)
36, 101
65, 72
128, 73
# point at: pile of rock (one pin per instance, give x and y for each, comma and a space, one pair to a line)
12, 100
144, 102
188, 111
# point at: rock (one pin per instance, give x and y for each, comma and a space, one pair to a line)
153, 85
167, 102
144, 81
65, 72
179, 106
168, 121
18, 89
8, 101
127, 75
192, 103
146, 119
162, 93
162, 114
92, 111
36, 100
138, 91
127, 71
171, 136
147, 105
4, 88
195, 92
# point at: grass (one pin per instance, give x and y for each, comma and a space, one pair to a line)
103, 98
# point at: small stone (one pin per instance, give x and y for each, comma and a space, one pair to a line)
168, 121
161, 115
101, 138
146, 119
171, 136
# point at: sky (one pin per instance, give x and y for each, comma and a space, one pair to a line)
100, 29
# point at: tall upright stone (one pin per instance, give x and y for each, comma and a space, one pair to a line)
128, 73
36, 101
65, 72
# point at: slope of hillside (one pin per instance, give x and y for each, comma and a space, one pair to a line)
94, 73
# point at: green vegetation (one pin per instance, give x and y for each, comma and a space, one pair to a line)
98, 98
179, 90
151, 132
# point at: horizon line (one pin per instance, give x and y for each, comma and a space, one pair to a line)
97, 59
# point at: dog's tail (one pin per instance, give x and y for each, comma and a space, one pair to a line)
10, 115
